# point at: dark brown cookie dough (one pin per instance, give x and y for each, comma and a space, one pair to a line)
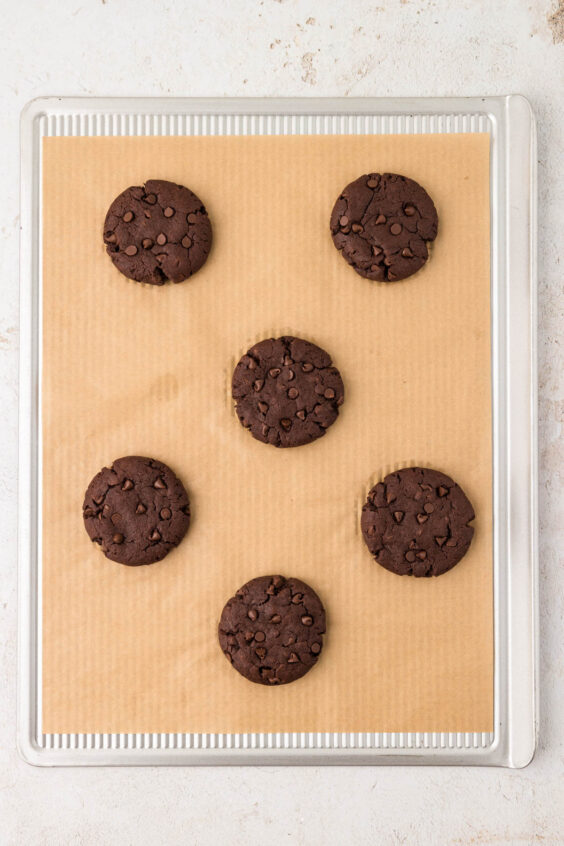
415, 522
272, 629
137, 510
286, 391
157, 232
381, 223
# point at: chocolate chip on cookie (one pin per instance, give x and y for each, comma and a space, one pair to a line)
137, 510
382, 223
416, 522
286, 391
272, 629
157, 232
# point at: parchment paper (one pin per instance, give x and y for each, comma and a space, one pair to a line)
133, 369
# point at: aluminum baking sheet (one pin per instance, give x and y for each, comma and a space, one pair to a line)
510, 123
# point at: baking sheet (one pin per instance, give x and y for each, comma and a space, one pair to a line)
131, 369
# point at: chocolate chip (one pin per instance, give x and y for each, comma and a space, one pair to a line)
248, 635
111, 239
297, 598
186, 242
258, 384
409, 211
421, 518
398, 516
161, 239
263, 407
343, 220
165, 513
380, 220
155, 535
410, 556
274, 372
316, 648
288, 360
356, 227
116, 518
396, 228
376, 250
307, 620
329, 393
406, 253
127, 485
128, 217
192, 218
141, 509
301, 414
451, 542
372, 183
293, 658
169, 211
118, 538
290, 375
151, 198
275, 618
307, 367
428, 508
265, 430
442, 491
252, 614
159, 483
278, 581
147, 243
260, 652
293, 393
286, 423
422, 555
131, 250
260, 637
440, 540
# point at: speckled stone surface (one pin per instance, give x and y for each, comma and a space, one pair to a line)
286, 48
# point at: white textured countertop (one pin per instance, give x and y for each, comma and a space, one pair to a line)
286, 48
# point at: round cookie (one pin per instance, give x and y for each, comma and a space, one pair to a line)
272, 629
415, 522
157, 232
286, 391
137, 510
382, 223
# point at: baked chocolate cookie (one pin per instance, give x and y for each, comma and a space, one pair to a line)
286, 391
137, 510
382, 223
272, 629
415, 522
156, 232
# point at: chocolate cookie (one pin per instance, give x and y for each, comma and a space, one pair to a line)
157, 232
415, 522
272, 629
137, 510
286, 391
382, 223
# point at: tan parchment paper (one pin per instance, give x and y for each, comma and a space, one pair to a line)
134, 369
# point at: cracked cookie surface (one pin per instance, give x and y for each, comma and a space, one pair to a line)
382, 223
415, 522
137, 510
157, 232
287, 392
272, 629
